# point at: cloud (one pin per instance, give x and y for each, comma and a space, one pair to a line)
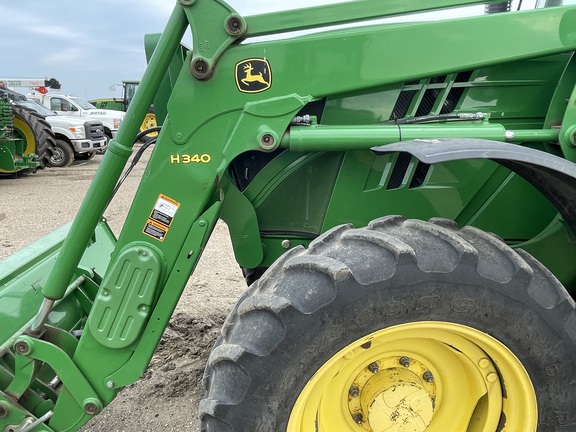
70, 55
90, 45
57, 31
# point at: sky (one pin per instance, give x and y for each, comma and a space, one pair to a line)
91, 46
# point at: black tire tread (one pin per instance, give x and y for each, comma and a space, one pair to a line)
68, 153
382, 251
44, 137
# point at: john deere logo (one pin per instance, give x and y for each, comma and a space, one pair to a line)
253, 75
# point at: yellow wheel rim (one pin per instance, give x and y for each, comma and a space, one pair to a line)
426, 376
26, 134
149, 122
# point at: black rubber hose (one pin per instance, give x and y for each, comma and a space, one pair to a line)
136, 158
426, 118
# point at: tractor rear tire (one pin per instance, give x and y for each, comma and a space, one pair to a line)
63, 155
401, 322
36, 132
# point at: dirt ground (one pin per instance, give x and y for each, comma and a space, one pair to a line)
167, 396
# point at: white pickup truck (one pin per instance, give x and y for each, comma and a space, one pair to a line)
75, 106
76, 138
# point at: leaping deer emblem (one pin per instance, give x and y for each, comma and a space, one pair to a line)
248, 68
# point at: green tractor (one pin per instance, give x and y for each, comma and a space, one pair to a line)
400, 198
121, 104
26, 138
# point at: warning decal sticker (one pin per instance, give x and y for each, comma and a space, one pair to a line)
161, 217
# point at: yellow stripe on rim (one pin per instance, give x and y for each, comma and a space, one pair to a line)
26, 133
425, 376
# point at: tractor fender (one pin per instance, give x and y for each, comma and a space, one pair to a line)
553, 176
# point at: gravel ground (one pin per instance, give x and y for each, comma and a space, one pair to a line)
167, 396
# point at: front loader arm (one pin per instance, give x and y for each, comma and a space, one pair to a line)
227, 99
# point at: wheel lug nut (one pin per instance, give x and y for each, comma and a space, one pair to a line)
354, 391
404, 361
358, 418
373, 367
428, 377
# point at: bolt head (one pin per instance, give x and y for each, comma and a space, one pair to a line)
267, 141
374, 368
358, 418
199, 68
91, 408
110, 384
404, 361
22, 347
354, 391
234, 26
428, 377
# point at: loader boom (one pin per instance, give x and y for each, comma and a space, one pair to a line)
289, 103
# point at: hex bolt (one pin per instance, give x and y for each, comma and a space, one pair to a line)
22, 347
200, 69
358, 418
91, 408
404, 361
234, 25
267, 141
354, 391
428, 377
373, 367
110, 384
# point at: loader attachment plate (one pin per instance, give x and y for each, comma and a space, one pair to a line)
23, 274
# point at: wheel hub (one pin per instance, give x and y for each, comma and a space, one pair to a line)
394, 394
418, 377
58, 156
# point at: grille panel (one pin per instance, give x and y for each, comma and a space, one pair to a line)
94, 130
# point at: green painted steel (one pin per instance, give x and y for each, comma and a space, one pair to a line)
13, 142
274, 137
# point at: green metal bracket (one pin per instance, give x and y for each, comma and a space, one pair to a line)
210, 40
30, 351
183, 267
273, 116
125, 299
24, 373
240, 216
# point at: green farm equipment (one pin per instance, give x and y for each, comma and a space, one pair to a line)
122, 104
400, 196
26, 139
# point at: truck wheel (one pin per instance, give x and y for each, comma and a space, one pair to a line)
36, 133
63, 155
403, 325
